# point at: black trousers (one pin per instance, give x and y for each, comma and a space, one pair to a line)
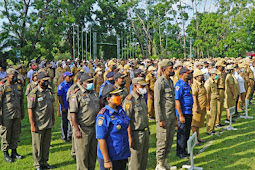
116, 165
183, 133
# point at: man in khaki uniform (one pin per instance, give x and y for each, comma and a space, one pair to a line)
72, 90
250, 83
111, 67
164, 102
230, 95
221, 89
212, 100
151, 79
119, 79
98, 79
58, 73
50, 72
11, 113
84, 106
31, 85
41, 117
127, 69
136, 109
178, 66
199, 105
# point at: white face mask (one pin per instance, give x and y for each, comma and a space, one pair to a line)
142, 91
100, 72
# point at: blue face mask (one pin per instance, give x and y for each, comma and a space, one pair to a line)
90, 86
243, 69
216, 77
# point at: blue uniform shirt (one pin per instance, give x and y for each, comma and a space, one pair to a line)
102, 87
112, 127
183, 93
62, 91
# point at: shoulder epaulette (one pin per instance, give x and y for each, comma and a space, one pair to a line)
102, 111
129, 97
75, 91
34, 90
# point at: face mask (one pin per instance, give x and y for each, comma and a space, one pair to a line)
90, 86
114, 67
243, 69
100, 72
122, 70
123, 83
142, 91
171, 73
222, 68
189, 77
239, 71
216, 77
111, 81
45, 84
34, 67
14, 80
202, 79
117, 100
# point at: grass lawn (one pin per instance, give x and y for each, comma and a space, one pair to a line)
229, 150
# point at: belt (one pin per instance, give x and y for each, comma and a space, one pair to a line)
221, 88
145, 129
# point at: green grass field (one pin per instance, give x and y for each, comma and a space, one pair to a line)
229, 150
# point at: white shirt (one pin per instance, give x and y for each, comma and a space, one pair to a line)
206, 73
253, 70
30, 74
240, 81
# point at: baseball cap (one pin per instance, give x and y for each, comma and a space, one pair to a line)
119, 75
213, 71
110, 74
197, 73
110, 89
43, 76
67, 73
139, 80
11, 71
86, 77
185, 70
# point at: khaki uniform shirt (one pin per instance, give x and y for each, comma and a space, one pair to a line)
164, 99
98, 81
176, 76
221, 80
41, 103
128, 81
198, 90
85, 104
136, 109
211, 88
50, 72
11, 101
229, 81
123, 94
150, 79
30, 87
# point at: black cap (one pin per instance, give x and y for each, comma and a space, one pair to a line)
79, 74
118, 75
185, 70
86, 77
43, 76
110, 89
110, 74
138, 71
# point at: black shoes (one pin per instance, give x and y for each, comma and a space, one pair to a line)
182, 156
40, 168
48, 167
7, 158
15, 155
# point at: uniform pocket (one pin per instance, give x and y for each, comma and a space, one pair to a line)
168, 92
